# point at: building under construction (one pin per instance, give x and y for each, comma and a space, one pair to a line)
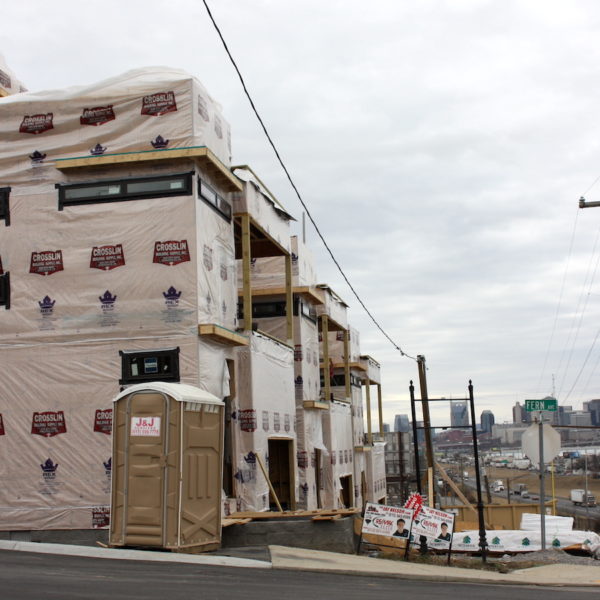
133, 251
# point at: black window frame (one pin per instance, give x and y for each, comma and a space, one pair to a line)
5, 205
5, 290
127, 357
305, 309
123, 195
221, 206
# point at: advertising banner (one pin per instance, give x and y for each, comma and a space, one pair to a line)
388, 521
436, 525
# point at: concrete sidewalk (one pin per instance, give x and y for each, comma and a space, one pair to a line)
313, 560
300, 559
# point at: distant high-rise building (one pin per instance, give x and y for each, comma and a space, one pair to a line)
487, 421
386, 428
593, 407
459, 414
402, 423
520, 415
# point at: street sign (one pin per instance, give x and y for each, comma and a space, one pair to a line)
530, 443
547, 404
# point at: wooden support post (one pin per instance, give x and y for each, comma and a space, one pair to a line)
326, 374
380, 408
289, 300
247, 284
430, 484
347, 364
456, 490
271, 488
369, 428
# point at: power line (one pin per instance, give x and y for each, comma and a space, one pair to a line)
562, 289
264, 128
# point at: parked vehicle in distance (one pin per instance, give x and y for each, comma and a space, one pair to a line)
498, 486
579, 498
521, 490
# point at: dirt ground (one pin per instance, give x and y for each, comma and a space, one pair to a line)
563, 484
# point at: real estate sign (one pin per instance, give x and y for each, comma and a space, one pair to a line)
436, 525
388, 521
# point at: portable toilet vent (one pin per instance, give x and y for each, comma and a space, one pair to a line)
167, 467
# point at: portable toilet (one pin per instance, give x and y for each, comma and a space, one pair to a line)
167, 467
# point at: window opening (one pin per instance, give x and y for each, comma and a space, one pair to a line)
120, 190
149, 365
4, 205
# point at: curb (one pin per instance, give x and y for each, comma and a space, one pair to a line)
127, 554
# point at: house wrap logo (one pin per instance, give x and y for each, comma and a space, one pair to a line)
49, 469
49, 423
171, 252
172, 297
103, 421
158, 104
100, 517
106, 258
46, 262
36, 123
46, 306
202, 107
207, 257
97, 115
107, 301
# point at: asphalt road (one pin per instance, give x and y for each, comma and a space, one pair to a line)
27, 576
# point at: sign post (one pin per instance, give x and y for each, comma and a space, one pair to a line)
545, 404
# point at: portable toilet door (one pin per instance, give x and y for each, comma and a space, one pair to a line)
167, 467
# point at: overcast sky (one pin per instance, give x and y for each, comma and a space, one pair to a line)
441, 146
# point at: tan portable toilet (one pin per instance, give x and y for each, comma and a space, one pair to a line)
167, 467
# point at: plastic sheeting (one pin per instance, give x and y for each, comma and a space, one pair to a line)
262, 207
79, 297
376, 484
553, 524
265, 410
56, 411
338, 439
216, 269
303, 264
336, 345
9, 84
334, 306
121, 114
520, 541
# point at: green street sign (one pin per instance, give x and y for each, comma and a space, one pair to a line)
547, 404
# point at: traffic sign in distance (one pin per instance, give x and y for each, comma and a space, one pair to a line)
530, 443
547, 404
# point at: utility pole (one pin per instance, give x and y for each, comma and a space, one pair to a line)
426, 418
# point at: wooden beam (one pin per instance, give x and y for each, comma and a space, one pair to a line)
456, 490
286, 514
271, 488
221, 334
200, 154
380, 408
325, 342
289, 300
310, 293
369, 427
347, 364
246, 281
315, 404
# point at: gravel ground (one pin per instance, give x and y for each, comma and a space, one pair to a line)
548, 556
